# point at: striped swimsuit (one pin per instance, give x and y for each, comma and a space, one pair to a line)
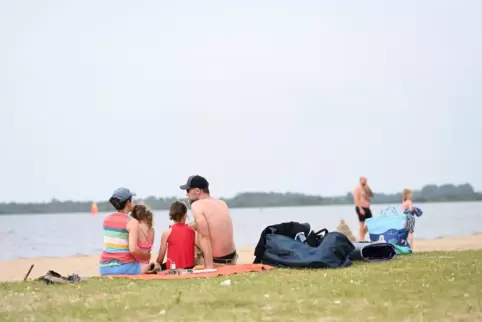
116, 241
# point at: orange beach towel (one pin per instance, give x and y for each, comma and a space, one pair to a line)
220, 271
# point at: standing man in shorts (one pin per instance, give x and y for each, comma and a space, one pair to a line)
212, 223
362, 195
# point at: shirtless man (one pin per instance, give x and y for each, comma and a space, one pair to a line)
362, 195
212, 223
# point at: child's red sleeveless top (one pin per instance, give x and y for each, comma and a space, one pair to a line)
180, 246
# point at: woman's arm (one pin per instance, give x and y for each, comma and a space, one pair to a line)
163, 247
133, 229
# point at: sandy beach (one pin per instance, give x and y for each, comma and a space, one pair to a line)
15, 270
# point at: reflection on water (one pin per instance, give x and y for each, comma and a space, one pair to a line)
81, 234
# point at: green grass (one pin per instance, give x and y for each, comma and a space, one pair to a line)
436, 286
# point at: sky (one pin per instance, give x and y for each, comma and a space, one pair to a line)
300, 96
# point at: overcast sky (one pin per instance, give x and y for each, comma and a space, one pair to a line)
301, 96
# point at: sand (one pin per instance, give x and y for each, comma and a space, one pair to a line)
15, 270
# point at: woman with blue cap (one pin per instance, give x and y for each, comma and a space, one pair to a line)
120, 238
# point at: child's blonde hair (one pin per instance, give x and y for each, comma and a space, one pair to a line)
142, 213
407, 194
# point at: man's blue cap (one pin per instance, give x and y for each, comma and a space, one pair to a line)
123, 194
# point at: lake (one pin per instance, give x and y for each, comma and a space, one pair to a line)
57, 235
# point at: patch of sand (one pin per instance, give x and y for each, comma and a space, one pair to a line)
15, 270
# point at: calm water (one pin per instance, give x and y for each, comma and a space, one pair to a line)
81, 234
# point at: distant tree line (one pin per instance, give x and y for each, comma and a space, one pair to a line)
429, 193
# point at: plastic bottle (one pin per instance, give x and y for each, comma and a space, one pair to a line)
172, 267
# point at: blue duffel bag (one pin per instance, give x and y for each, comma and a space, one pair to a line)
328, 250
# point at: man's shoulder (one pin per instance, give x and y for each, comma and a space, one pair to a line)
218, 204
222, 202
209, 205
197, 205
208, 201
198, 208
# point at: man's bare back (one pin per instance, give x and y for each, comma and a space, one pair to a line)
212, 223
216, 224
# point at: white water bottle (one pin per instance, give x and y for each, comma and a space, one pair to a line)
173, 265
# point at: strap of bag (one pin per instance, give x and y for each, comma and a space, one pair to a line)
314, 239
393, 211
318, 233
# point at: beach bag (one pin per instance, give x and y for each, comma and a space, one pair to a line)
390, 228
332, 250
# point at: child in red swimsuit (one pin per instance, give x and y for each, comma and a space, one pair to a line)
146, 232
178, 240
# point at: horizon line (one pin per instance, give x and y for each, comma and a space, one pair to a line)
238, 193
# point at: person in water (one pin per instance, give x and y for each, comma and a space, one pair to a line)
178, 240
146, 233
120, 253
212, 222
362, 195
410, 212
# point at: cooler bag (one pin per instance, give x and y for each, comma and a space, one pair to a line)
390, 228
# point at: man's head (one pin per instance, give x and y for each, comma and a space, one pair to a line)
363, 181
196, 188
121, 199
